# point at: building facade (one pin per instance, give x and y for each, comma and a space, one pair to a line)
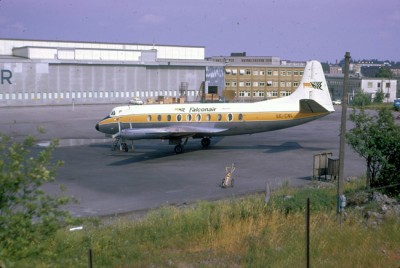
259, 78
366, 85
374, 85
59, 73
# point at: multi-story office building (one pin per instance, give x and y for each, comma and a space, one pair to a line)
257, 78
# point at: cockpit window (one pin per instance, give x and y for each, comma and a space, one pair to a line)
112, 113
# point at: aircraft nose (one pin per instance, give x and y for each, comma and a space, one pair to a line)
97, 127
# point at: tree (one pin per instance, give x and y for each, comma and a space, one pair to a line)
361, 99
27, 214
379, 96
375, 138
384, 72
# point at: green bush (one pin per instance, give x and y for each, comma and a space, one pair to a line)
28, 216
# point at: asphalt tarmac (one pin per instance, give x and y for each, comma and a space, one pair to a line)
109, 182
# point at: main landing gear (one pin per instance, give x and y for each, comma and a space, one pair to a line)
180, 147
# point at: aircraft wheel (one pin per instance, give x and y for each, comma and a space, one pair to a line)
205, 142
179, 149
124, 147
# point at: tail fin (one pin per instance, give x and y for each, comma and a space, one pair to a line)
313, 86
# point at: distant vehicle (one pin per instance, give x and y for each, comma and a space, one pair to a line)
136, 101
396, 104
337, 102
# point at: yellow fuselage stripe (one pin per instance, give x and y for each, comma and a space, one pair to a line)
208, 117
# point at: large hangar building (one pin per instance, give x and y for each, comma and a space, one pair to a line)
59, 73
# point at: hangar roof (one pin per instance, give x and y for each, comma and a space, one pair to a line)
8, 46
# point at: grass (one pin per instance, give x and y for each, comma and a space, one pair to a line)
241, 232
376, 106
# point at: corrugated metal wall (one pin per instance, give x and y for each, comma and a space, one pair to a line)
58, 84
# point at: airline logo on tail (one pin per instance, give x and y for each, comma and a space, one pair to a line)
315, 85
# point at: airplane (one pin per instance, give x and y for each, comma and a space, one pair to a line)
178, 122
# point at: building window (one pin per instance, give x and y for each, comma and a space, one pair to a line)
269, 72
258, 94
285, 93
234, 84
283, 73
241, 84
282, 84
255, 84
227, 71
289, 73
248, 83
369, 84
275, 84
241, 72
276, 73
244, 93
227, 84
234, 72
269, 83
248, 72
288, 84
262, 84
296, 73
295, 84
262, 72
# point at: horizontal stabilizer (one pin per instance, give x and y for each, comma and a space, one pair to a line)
311, 106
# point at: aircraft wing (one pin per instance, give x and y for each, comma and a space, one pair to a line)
167, 132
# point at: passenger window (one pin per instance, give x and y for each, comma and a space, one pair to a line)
159, 117
219, 117
208, 117
189, 117
240, 117
179, 118
230, 117
198, 117
149, 118
168, 117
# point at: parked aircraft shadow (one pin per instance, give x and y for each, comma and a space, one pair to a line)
286, 146
146, 152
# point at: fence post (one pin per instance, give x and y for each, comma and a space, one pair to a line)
308, 233
90, 258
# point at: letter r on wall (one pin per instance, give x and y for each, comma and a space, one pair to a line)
6, 75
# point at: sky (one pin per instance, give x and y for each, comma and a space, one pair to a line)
296, 30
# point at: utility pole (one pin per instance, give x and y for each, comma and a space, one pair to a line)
340, 187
